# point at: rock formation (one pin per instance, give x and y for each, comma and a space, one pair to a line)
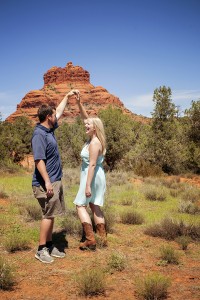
59, 81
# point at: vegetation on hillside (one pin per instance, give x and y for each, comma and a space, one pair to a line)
170, 143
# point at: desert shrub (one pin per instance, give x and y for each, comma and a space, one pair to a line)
188, 207
168, 254
191, 194
3, 194
153, 287
145, 169
155, 193
183, 241
127, 198
170, 229
17, 241
117, 261
126, 201
174, 193
177, 188
7, 166
193, 231
173, 183
130, 185
71, 176
131, 217
91, 282
32, 211
116, 178
170, 182
180, 186
7, 279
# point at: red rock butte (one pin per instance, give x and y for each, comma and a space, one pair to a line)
57, 83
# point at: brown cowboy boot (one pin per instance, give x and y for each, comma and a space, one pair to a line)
101, 231
89, 242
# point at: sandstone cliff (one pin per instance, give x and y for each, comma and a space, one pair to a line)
59, 81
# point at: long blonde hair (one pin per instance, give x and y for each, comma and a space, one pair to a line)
100, 133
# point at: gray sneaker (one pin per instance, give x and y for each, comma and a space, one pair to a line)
43, 256
56, 253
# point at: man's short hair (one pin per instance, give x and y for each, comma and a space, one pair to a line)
45, 110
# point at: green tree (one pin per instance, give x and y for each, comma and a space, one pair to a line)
120, 135
193, 115
22, 133
15, 140
166, 138
138, 158
71, 138
193, 133
164, 111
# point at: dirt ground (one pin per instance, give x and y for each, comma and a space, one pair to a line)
194, 180
58, 281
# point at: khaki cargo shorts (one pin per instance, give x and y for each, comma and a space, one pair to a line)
54, 206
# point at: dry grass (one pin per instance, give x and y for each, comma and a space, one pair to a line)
153, 287
155, 193
117, 261
131, 217
170, 229
169, 255
7, 278
91, 282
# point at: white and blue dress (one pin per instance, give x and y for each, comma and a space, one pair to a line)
98, 185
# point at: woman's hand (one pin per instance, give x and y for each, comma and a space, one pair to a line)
78, 97
88, 192
73, 92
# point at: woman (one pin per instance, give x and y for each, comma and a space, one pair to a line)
92, 181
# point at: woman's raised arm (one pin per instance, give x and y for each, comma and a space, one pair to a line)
83, 112
61, 107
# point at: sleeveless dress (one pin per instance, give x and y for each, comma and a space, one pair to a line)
98, 185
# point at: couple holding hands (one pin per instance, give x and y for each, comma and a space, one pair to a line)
47, 184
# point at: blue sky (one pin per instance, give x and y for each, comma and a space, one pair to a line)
129, 47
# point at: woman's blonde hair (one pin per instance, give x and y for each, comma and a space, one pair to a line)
100, 133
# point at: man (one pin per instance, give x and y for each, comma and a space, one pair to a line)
46, 182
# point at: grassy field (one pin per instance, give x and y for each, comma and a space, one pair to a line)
153, 248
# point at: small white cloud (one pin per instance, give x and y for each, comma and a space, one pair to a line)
143, 104
140, 104
143, 100
186, 95
183, 98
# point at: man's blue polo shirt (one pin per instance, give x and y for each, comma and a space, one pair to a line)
45, 147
